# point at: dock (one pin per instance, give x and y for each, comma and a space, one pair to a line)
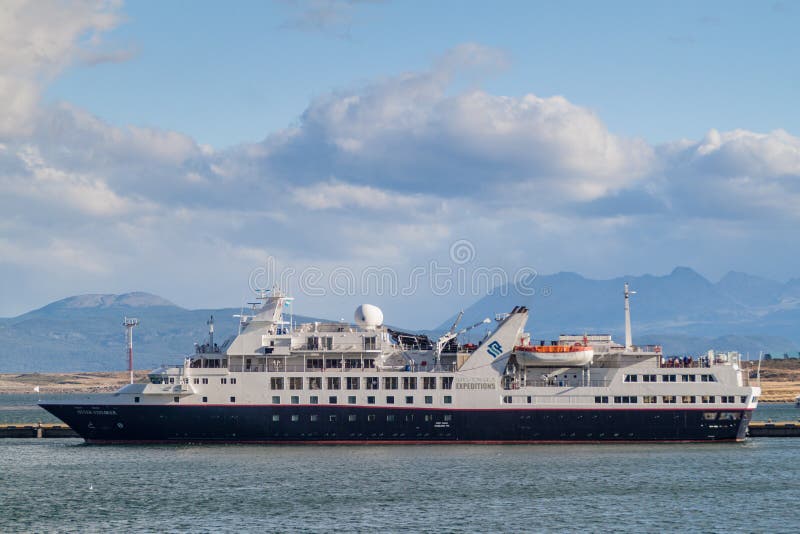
37, 430
777, 429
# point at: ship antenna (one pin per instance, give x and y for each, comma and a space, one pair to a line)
210, 324
129, 323
628, 337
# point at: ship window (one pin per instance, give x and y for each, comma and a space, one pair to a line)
447, 382
409, 382
223, 380
313, 399
390, 399
205, 399
370, 417
369, 343
530, 399
332, 399
136, 399
205, 381
631, 378
410, 417
428, 399
601, 400
648, 378
371, 382
743, 399
688, 378
332, 418
276, 382
233, 380
315, 382
429, 382
688, 399
196, 380
312, 343
171, 380
327, 343
176, 399
330, 363
649, 399
295, 399
370, 400
706, 399
352, 363
233, 399
314, 363
728, 416
296, 382
668, 399
390, 382
334, 382
668, 378
709, 416
428, 417
448, 399
369, 363
409, 399
276, 417
726, 399
390, 418
295, 417
313, 418
351, 399
276, 399
351, 417
352, 382
507, 399
447, 417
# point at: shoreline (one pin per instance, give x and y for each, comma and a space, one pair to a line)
780, 382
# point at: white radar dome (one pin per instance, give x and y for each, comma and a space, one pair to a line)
368, 316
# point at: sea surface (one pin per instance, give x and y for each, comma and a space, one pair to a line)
64, 485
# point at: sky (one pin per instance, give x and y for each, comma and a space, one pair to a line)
196, 149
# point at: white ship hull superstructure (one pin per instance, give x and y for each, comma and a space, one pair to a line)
366, 383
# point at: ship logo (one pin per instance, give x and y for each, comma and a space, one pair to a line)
495, 349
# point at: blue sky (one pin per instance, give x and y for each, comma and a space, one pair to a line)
173, 147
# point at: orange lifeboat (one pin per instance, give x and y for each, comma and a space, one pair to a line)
576, 355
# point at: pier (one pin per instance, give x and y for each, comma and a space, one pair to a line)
777, 429
36, 430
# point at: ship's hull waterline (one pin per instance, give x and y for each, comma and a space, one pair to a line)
321, 424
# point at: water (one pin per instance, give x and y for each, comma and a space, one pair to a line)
64, 485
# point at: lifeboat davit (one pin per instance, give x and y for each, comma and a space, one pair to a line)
554, 355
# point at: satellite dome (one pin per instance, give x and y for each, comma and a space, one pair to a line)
368, 316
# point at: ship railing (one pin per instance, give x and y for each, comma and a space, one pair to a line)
557, 384
300, 368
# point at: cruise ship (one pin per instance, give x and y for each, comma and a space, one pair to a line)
363, 382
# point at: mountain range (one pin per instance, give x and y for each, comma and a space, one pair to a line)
683, 311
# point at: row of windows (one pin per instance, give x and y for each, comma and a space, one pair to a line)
671, 399
333, 399
326, 343
356, 382
333, 418
670, 378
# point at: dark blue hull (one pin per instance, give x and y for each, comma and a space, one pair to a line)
351, 424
